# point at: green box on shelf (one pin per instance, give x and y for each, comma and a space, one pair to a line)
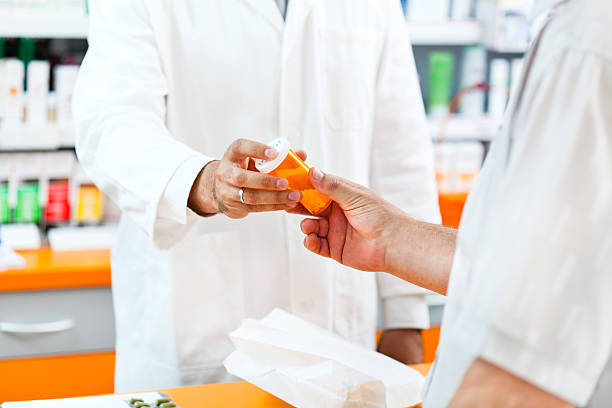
28, 205
441, 67
5, 211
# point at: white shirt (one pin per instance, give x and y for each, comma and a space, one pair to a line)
530, 290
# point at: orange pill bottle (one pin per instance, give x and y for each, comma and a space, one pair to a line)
289, 166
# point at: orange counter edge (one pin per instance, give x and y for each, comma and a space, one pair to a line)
48, 270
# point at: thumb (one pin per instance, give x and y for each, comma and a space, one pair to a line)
338, 189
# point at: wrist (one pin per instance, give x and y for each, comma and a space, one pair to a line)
202, 199
395, 233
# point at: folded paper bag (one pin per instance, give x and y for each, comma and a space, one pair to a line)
307, 366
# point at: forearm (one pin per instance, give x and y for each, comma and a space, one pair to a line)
486, 385
421, 253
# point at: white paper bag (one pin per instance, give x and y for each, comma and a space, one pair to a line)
307, 366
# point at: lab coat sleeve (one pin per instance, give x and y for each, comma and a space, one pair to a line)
174, 218
119, 109
402, 161
548, 238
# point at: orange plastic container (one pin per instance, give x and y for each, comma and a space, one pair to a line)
289, 166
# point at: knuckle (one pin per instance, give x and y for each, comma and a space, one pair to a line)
332, 183
238, 177
237, 144
241, 178
227, 174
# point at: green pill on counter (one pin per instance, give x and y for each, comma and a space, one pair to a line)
168, 405
135, 400
161, 401
142, 405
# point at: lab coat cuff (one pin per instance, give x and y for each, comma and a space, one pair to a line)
173, 203
405, 312
533, 366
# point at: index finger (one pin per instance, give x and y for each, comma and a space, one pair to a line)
243, 148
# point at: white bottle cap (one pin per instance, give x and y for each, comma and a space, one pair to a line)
282, 146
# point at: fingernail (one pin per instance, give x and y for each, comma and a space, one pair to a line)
294, 196
282, 184
271, 153
317, 174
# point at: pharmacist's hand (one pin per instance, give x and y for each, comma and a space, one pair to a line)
403, 345
357, 229
217, 188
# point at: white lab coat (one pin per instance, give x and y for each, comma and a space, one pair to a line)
166, 86
531, 280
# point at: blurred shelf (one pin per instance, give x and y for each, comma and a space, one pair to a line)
21, 236
43, 138
41, 24
50, 138
445, 32
508, 51
82, 238
460, 128
39, 149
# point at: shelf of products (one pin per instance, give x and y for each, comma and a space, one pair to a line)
464, 128
501, 27
42, 24
61, 25
58, 138
445, 32
44, 137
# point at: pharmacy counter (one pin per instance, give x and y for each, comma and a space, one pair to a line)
239, 394
57, 322
234, 395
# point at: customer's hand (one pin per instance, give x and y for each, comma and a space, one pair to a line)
357, 229
217, 187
